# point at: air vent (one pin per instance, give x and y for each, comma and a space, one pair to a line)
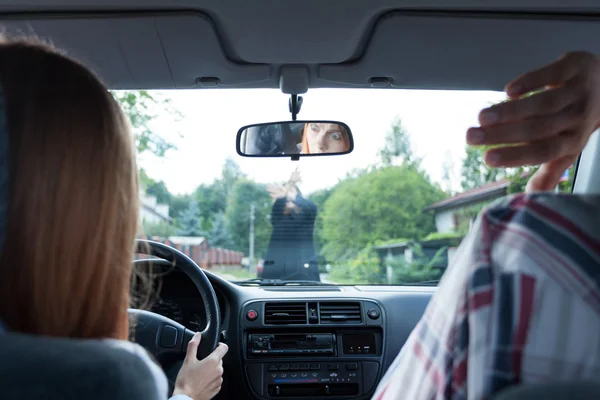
285, 313
340, 313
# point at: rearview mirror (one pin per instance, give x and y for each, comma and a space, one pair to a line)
295, 139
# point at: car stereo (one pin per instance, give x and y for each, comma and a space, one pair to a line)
292, 344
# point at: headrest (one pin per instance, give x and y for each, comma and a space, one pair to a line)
33, 367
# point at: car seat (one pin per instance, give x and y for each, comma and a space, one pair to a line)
35, 367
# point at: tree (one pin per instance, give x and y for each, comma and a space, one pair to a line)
213, 198
178, 204
160, 191
398, 147
520, 176
383, 204
245, 193
190, 221
145, 180
420, 269
319, 197
140, 107
448, 172
475, 172
219, 234
230, 174
161, 229
364, 268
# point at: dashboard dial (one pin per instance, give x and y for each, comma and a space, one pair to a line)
196, 322
169, 309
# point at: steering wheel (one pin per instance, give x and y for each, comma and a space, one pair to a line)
162, 336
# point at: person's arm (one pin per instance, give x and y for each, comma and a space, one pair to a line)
277, 210
448, 352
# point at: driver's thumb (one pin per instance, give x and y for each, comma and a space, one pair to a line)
220, 351
192, 347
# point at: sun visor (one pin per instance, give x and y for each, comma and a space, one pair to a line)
454, 52
145, 51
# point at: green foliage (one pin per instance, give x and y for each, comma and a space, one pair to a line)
420, 269
178, 204
443, 235
160, 191
213, 198
141, 107
519, 177
465, 215
365, 268
448, 172
383, 204
190, 221
388, 242
397, 147
144, 179
161, 229
244, 193
219, 234
319, 197
475, 172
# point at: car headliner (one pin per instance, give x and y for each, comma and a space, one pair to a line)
157, 44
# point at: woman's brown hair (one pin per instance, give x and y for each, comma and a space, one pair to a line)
73, 204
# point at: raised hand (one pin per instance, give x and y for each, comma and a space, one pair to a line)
550, 128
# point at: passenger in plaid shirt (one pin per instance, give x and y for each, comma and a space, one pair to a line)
520, 302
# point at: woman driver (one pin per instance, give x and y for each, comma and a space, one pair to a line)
69, 209
319, 137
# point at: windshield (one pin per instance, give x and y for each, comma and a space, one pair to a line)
391, 212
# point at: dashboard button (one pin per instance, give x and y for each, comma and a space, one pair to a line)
333, 367
251, 315
352, 366
294, 367
304, 367
315, 367
283, 367
373, 313
273, 368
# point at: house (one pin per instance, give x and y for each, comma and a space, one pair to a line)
189, 241
198, 249
152, 212
429, 250
447, 212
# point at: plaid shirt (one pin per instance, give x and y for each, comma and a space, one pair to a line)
520, 303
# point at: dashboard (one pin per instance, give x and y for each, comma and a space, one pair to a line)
177, 298
295, 342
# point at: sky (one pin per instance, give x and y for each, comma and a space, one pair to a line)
436, 122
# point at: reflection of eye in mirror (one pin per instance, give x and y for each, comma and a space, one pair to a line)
297, 138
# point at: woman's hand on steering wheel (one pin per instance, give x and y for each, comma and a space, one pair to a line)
201, 379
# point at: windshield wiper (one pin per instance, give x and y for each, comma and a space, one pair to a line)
280, 282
